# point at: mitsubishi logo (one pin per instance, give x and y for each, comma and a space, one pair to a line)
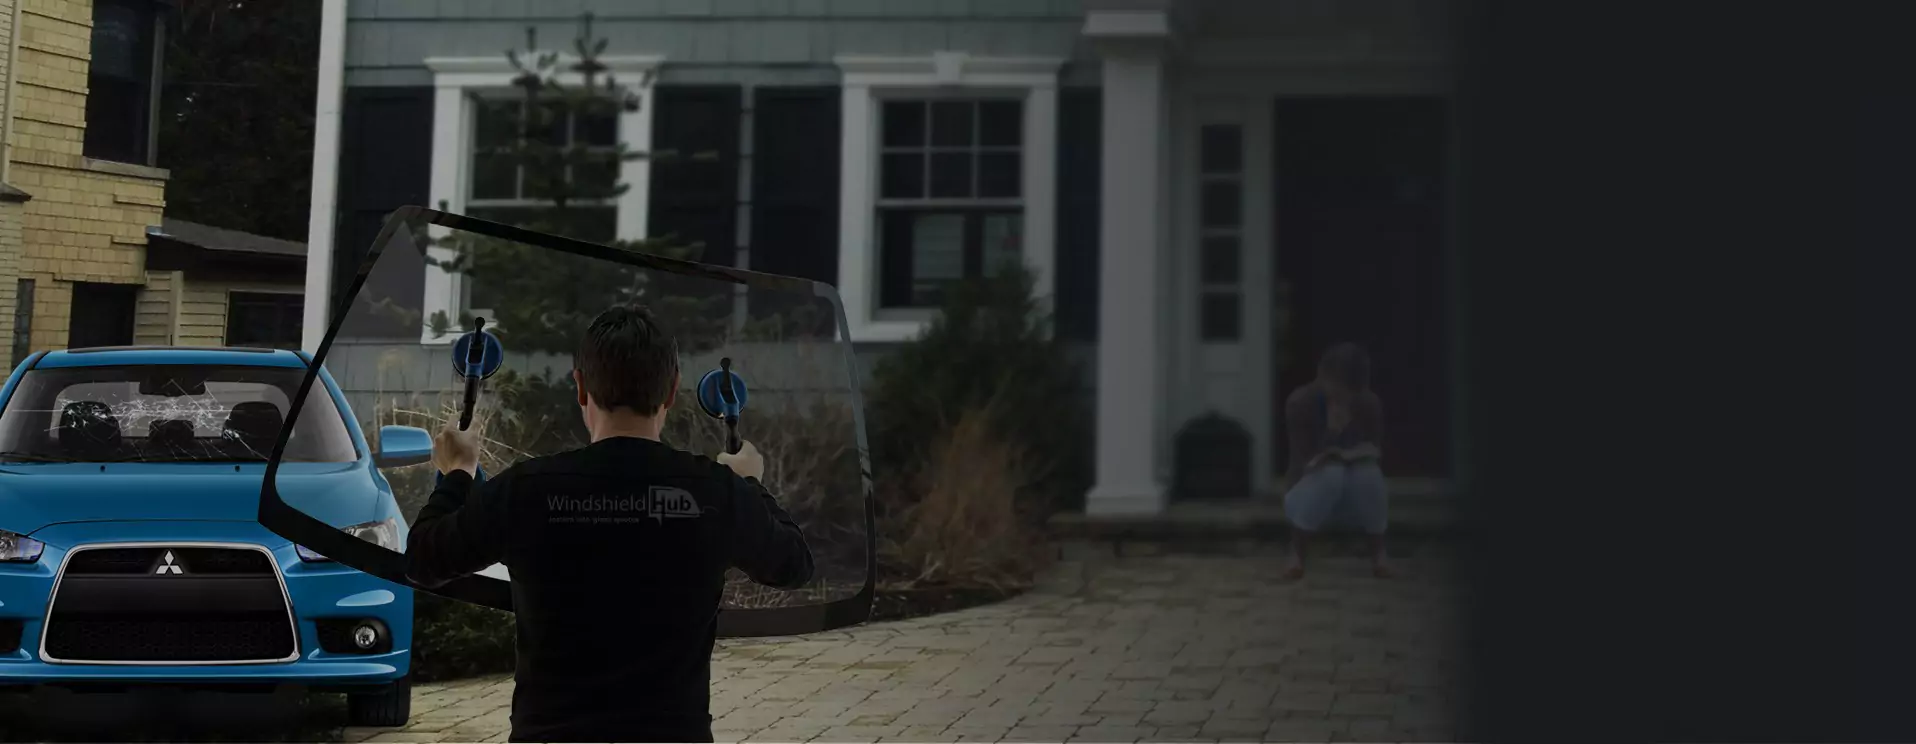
167, 566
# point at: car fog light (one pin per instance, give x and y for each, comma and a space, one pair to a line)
365, 636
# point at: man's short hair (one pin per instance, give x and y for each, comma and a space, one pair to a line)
627, 360
1346, 363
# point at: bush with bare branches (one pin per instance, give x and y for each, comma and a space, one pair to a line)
965, 526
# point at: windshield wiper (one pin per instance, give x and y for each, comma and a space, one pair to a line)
14, 456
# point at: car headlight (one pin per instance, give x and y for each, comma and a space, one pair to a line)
384, 533
18, 548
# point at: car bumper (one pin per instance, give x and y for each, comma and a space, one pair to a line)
319, 592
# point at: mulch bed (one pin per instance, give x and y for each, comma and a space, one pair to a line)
903, 604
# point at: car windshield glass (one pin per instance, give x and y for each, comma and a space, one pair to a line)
167, 413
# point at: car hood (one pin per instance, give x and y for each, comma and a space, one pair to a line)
33, 496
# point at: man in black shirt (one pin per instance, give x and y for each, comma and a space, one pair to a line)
617, 551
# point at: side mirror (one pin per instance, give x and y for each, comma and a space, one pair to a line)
400, 446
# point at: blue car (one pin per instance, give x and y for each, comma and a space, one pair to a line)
130, 553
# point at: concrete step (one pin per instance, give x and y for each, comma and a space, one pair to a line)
1258, 520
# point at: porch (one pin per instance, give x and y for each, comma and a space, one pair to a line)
1275, 181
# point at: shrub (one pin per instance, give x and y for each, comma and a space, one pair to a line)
964, 528
990, 349
453, 639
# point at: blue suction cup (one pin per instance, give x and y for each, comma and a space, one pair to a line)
491, 356
711, 394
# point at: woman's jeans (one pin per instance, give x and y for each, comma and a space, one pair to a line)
1337, 494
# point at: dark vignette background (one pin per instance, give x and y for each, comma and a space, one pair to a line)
1684, 259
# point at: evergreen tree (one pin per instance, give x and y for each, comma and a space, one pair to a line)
541, 299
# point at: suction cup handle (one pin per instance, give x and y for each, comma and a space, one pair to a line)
475, 362
732, 443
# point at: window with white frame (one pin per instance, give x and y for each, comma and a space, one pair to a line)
948, 170
950, 194
501, 189
480, 115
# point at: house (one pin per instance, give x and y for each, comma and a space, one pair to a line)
208, 286
1211, 192
86, 258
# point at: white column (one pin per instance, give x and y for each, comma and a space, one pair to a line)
325, 191
1131, 300
1040, 191
857, 259
451, 121
635, 130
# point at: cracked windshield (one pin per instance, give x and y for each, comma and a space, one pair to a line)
401, 347
167, 413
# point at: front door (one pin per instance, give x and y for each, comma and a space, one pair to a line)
102, 315
1360, 257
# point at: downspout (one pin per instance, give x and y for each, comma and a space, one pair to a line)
325, 194
13, 83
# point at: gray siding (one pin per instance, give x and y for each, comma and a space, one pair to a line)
775, 373
422, 371
774, 42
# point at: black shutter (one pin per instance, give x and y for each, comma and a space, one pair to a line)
385, 163
694, 190
1080, 155
795, 181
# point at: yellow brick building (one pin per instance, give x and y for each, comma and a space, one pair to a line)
82, 229
81, 200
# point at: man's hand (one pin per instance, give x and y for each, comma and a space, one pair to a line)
454, 450
747, 463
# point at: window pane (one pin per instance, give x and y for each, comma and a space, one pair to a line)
1222, 203
951, 123
1000, 175
540, 182
904, 123
263, 319
1003, 242
902, 176
119, 41
116, 120
597, 125
1001, 123
1219, 260
595, 178
494, 177
951, 175
495, 123
923, 253
591, 224
1222, 148
1218, 317
550, 120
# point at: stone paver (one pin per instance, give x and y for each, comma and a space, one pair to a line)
1155, 648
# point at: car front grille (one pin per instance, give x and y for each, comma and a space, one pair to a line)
169, 604
148, 560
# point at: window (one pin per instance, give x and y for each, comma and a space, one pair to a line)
169, 413
1221, 225
504, 189
264, 319
950, 201
123, 81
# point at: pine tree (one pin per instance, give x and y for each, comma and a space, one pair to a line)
542, 300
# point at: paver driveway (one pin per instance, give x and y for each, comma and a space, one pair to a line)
1162, 648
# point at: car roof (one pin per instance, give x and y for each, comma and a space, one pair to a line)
114, 356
